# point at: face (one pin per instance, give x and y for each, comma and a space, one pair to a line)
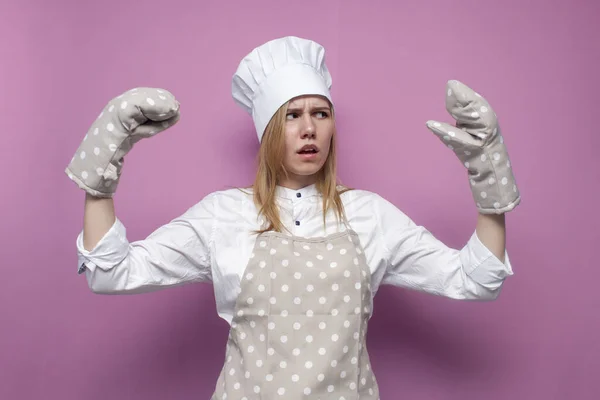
308, 132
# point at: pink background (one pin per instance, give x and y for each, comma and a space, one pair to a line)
537, 64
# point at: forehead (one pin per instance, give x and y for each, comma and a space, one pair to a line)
309, 101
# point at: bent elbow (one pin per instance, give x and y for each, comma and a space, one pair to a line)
485, 293
108, 280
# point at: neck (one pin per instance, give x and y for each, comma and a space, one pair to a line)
298, 182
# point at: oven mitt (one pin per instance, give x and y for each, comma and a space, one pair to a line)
136, 114
478, 143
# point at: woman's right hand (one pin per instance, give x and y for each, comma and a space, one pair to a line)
136, 114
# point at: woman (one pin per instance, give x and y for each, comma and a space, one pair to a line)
296, 259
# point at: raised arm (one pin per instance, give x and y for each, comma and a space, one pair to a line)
98, 218
177, 252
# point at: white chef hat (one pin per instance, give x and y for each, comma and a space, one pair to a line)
276, 72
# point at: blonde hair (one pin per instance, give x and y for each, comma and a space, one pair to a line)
271, 168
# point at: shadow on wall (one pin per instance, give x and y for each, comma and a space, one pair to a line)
177, 349
424, 340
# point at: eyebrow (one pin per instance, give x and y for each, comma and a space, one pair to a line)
298, 109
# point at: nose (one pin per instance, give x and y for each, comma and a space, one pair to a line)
308, 127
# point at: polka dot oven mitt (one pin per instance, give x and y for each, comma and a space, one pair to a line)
478, 143
136, 114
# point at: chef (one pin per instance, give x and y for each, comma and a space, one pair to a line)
296, 258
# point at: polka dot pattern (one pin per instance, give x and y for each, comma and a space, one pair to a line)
478, 143
310, 340
131, 116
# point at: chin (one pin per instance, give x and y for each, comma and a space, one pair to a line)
306, 170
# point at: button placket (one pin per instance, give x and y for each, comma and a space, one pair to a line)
294, 205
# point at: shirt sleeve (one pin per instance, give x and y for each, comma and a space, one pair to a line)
174, 254
417, 260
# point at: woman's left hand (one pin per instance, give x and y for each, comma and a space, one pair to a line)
478, 143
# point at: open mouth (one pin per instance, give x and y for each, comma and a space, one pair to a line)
308, 150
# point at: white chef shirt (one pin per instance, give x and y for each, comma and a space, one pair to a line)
213, 241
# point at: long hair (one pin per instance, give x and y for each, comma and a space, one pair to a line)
271, 168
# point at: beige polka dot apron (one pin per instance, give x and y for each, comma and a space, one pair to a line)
300, 322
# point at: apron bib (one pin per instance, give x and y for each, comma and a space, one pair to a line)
300, 322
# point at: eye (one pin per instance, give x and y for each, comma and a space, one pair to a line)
322, 114
291, 115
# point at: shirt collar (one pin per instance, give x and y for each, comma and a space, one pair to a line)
298, 194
